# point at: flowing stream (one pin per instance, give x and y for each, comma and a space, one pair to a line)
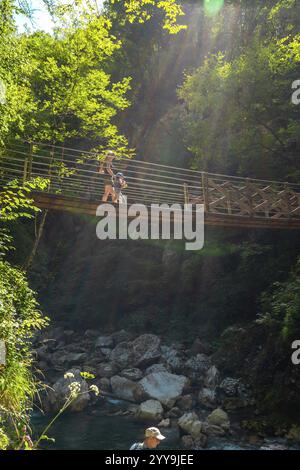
90, 430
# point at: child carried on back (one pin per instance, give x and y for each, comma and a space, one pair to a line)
119, 183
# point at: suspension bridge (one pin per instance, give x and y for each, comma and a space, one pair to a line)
77, 186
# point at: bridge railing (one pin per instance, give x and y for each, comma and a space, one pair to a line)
74, 173
252, 198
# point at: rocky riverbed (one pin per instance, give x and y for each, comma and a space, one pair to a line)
177, 388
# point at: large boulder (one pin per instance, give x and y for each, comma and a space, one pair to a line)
146, 350
107, 369
105, 352
61, 391
207, 397
186, 420
103, 384
141, 352
165, 387
213, 431
91, 334
174, 413
196, 429
132, 374
185, 403
75, 358
104, 342
121, 336
156, 368
172, 358
127, 389
235, 395
212, 377
197, 365
190, 423
74, 347
122, 355
66, 359
219, 418
164, 423
229, 386
150, 410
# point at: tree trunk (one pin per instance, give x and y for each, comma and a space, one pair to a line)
38, 235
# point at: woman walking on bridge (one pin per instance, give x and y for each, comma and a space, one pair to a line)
106, 168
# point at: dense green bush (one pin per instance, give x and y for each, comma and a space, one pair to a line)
281, 305
19, 319
4, 441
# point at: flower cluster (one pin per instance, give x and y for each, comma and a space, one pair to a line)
69, 375
74, 388
95, 389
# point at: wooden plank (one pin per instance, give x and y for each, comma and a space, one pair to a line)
74, 205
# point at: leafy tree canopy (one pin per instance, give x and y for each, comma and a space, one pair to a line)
239, 114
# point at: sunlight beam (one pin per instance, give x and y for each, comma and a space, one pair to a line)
212, 7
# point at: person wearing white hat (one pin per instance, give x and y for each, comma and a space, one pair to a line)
106, 168
153, 438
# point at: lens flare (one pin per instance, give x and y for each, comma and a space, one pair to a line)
212, 7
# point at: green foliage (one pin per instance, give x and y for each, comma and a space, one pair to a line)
142, 10
258, 426
135, 11
240, 117
59, 86
281, 306
74, 95
15, 200
283, 6
276, 423
19, 315
15, 203
294, 433
19, 319
4, 440
14, 66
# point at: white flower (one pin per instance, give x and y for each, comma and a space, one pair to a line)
95, 389
74, 388
69, 375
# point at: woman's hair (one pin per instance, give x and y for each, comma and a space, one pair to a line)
110, 153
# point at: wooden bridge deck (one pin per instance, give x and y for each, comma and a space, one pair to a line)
81, 206
76, 186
